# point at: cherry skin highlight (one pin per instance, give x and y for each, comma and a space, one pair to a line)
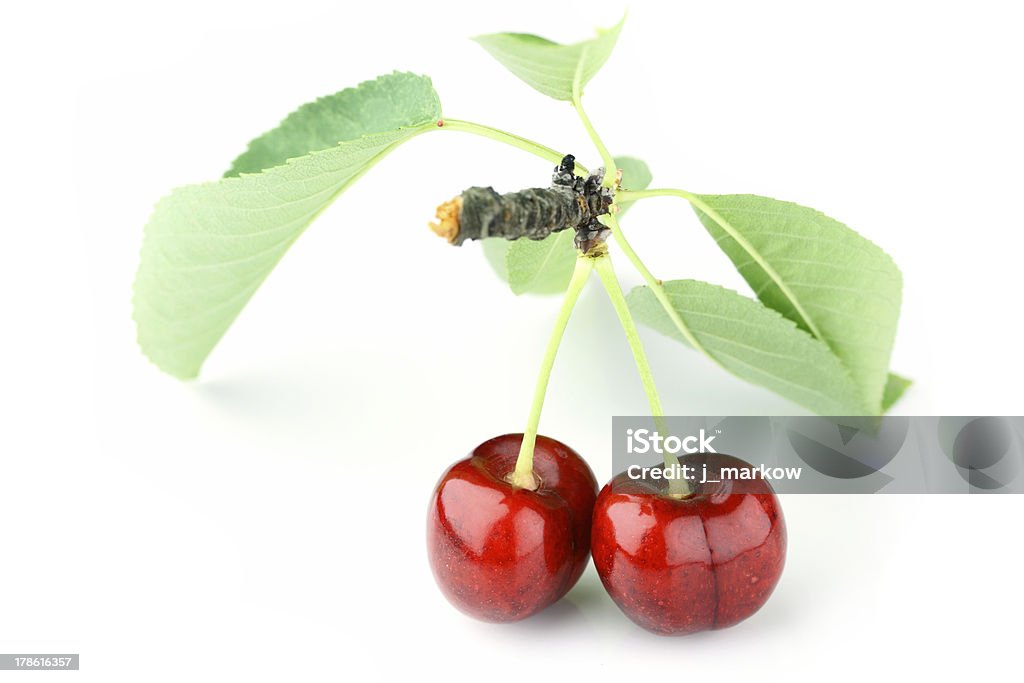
501, 553
680, 565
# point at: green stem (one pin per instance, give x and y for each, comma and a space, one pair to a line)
677, 486
610, 170
611, 284
522, 143
523, 477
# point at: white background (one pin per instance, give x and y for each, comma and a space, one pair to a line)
266, 522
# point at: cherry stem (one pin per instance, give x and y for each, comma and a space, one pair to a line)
677, 486
523, 477
611, 284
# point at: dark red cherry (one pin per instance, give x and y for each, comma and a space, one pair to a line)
680, 565
501, 553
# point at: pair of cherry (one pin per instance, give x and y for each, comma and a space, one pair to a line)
674, 565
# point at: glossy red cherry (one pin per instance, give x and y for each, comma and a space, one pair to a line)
501, 553
680, 565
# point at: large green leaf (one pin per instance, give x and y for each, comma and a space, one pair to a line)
545, 266
817, 272
549, 67
754, 343
208, 247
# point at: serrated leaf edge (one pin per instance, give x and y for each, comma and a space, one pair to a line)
322, 98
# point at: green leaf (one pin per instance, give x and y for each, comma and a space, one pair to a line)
208, 247
895, 387
545, 266
817, 272
754, 343
549, 67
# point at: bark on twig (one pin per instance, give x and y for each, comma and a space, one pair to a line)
571, 202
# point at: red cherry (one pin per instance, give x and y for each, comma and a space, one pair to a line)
681, 565
501, 553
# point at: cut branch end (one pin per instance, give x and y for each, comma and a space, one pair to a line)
447, 224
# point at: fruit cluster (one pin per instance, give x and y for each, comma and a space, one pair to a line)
674, 564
